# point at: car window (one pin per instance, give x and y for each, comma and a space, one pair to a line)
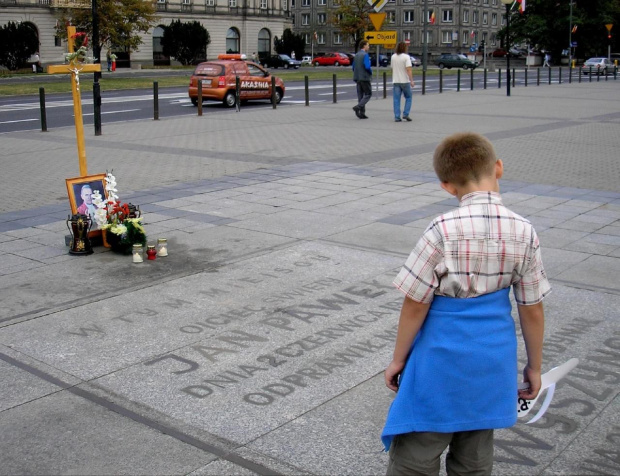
285, 57
255, 70
239, 69
209, 69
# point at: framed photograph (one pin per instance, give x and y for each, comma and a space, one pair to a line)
80, 190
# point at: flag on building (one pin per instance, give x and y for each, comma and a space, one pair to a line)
316, 37
521, 5
473, 33
433, 18
574, 30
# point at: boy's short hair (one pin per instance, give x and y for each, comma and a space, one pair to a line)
464, 157
363, 43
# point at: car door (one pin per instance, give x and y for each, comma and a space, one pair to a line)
256, 84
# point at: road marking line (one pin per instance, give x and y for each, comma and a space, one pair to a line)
18, 120
111, 112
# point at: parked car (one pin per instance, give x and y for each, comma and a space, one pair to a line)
280, 61
219, 81
415, 61
331, 59
306, 60
384, 60
498, 53
598, 66
455, 61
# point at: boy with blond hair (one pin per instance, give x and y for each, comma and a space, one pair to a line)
455, 358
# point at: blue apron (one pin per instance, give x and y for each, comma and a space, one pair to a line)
462, 372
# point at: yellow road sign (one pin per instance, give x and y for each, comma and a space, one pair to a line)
377, 19
609, 26
380, 37
377, 5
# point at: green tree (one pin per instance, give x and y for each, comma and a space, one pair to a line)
546, 25
351, 19
18, 42
290, 42
186, 42
120, 22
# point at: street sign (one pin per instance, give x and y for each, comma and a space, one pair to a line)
377, 5
609, 26
377, 19
380, 37
573, 44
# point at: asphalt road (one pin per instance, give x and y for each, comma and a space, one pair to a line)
23, 113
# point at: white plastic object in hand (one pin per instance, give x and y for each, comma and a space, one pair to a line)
549, 380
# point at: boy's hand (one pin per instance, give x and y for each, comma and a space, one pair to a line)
532, 377
392, 373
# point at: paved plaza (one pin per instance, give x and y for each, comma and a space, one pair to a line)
257, 346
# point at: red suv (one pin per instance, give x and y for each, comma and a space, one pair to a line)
219, 81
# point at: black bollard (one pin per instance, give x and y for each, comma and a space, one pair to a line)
499, 78
43, 113
423, 83
155, 101
307, 90
273, 92
471, 79
440, 81
458, 80
485, 79
200, 97
384, 85
237, 93
335, 91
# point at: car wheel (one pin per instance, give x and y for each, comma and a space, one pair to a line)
441, 66
336, 63
286, 66
316, 63
194, 101
229, 99
278, 95
465, 67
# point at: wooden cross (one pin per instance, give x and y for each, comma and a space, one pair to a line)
74, 68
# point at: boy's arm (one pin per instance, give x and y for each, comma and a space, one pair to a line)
412, 316
532, 320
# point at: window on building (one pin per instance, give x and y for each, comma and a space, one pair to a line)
232, 39
322, 2
391, 17
321, 38
57, 41
264, 41
285, 5
447, 16
210, 3
485, 2
429, 37
305, 3
465, 16
408, 16
263, 4
305, 19
465, 37
321, 18
475, 17
407, 36
337, 38
446, 37
485, 18
232, 3
307, 38
494, 19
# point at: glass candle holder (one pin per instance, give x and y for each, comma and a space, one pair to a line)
162, 247
150, 252
137, 253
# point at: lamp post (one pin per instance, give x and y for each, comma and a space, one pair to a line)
508, 3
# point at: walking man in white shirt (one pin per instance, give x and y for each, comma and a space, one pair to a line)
402, 79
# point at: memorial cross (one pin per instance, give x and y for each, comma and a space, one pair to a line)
74, 68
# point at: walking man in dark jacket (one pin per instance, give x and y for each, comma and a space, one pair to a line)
362, 75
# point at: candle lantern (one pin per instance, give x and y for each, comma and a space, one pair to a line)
134, 211
79, 225
137, 253
162, 247
151, 253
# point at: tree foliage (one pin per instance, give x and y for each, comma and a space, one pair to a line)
18, 42
120, 22
351, 19
290, 42
546, 25
186, 42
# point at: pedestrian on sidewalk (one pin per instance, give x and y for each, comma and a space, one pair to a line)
456, 349
108, 57
362, 75
402, 80
547, 60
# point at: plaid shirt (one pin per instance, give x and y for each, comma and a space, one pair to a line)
479, 248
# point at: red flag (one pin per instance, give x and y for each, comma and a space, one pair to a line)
433, 18
521, 5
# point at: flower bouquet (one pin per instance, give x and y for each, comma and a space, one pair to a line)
120, 226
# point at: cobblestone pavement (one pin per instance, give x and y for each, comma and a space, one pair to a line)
257, 346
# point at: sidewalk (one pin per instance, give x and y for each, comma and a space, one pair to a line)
257, 346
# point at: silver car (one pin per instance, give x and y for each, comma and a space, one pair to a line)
598, 66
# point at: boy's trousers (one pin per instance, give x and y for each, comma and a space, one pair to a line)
418, 453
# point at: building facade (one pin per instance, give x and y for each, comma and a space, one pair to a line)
454, 26
237, 26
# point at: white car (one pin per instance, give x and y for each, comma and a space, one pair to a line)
306, 60
598, 66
